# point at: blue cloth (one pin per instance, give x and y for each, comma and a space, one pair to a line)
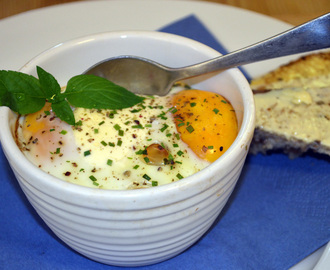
277, 215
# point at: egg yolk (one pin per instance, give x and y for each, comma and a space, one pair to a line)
206, 121
42, 129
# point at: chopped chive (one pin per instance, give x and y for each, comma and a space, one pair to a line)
109, 162
146, 159
121, 132
104, 143
173, 110
147, 177
179, 162
117, 127
215, 111
210, 147
177, 135
139, 126
165, 126
136, 166
63, 132
92, 177
52, 129
79, 123
179, 176
175, 145
193, 104
112, 144
87, 153
101, 123
223, 101
96, 131
162, 116
95, 183
168, 134
112, 114
190, 129
140, 152
180, 153
135, 110
120, 142
148, 125
154, 183
127, 122
142, 106
181, 124
58, 150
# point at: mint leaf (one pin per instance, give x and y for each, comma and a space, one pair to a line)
20, 92
49, 85
63, 111
26, 94
92, 92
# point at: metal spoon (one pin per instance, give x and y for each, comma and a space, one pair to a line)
135, 73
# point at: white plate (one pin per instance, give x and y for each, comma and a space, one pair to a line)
25, 35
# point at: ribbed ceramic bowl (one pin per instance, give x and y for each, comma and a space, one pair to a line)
145, 226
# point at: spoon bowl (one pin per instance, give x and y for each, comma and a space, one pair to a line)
144, 76
138, 74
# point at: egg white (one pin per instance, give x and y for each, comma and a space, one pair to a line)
105, 150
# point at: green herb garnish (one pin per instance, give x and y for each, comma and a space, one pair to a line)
190, 129
26, 94
117, 127
147, 177
87, 153
215, 110
165, 126
154, 183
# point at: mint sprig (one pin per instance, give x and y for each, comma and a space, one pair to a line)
20, 92
92, 92
26, 94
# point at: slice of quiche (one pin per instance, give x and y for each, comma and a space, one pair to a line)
293, 107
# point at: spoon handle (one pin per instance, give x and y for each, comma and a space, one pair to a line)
310, 36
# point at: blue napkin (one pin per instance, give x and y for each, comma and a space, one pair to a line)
277, 215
